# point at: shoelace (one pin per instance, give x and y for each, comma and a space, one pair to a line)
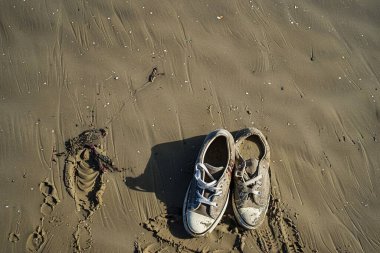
255, 181
199, 167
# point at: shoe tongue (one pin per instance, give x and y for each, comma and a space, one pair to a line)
214, 171
251, 168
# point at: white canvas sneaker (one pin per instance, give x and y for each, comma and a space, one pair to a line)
207, 195
251, 187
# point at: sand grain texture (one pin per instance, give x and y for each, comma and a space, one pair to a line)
304, 72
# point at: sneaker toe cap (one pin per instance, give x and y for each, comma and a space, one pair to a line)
198, 223
251, 215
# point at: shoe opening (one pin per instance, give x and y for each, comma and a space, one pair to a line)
252, 147
217, 154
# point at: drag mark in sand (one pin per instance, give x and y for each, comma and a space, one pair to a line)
187, 55
217, 103
40, 147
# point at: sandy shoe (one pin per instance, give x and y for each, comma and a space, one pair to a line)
251, 191
207, 195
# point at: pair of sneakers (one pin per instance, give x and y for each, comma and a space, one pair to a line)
220, 160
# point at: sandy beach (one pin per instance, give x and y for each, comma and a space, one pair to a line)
158, 76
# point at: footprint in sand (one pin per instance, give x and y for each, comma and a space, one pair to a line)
82, 237
85, 165
14, 237
51, 197
36, 240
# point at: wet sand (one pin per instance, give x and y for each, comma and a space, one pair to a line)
305, 73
